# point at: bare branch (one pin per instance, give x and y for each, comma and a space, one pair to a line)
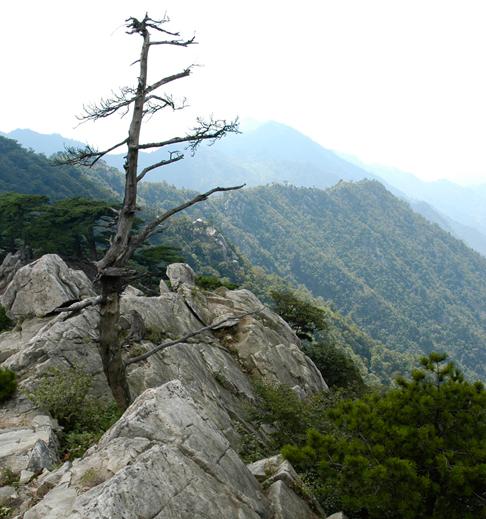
185, 73
75, 307
173, 157
179, 43
109, 106
212, 130
87, 156
150, 228
165, 345
154, 104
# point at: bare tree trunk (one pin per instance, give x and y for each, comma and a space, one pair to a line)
112, 271
109, 342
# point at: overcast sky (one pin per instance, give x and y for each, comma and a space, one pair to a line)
396, 82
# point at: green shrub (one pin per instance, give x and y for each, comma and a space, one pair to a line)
5, 322
337, 368
8, 384
66, 395
208, 282
8, 478
303, 317
417, 451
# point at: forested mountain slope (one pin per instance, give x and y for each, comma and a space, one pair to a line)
273, 152
199, 243
23, 171
403, 280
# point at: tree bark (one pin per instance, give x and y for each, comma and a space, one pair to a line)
109, 342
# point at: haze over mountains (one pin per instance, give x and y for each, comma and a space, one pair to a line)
273, 152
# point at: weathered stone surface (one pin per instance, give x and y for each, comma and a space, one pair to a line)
42, 286
48, 480
44, 455
61, 342
179, 274
8, 494
162, 460
21, 430
163, 288
26, 476
164, 447
338, 515
210, 374
269, 471
10, 264
287, 504
132, 291
274, 469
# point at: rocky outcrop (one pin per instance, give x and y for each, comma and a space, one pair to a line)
173, 453
42, 286
162, 459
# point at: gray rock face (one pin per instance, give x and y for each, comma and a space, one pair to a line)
287, 504
179, 274
59, 342
162, 460
42, 286
284, 489
28, 439
173, 453
10, 264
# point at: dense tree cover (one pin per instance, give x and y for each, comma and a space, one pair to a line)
24, 171
417, 451
408, 284
74, 228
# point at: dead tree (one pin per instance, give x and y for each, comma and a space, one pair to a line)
141, 101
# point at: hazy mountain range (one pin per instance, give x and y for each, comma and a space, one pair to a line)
275, 153
406, 283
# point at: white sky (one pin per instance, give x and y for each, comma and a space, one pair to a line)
396, 82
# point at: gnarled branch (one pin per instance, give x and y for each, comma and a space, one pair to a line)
150, 228
76, 307
87, 156
212, 130
173, 157
165, 345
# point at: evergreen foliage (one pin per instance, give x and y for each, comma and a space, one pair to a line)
208, 282
5, 322
417, 451
336, 366
24, 171
305, 318
8, 384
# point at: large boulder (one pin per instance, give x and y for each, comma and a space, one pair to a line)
163, 459
180, 274
42, 286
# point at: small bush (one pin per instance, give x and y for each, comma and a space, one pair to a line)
8, 478
5, 322
66, 395
8, 384
337, 368
213, 282
303, 317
